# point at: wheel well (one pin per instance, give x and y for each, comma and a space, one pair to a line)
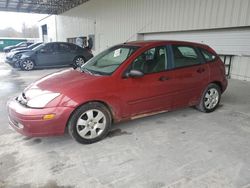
105, 104
79, 56
218, 84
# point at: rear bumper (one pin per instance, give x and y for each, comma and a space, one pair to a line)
30, 122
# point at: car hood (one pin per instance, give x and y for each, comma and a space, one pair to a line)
21, 49
26, 54
8, 47
67, 83
11, 54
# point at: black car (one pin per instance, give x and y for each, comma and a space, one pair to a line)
14, 55
30, 47
19, 45
54, 54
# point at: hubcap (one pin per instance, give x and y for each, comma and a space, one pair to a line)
91, 124
28, 65
79, 61
211, 98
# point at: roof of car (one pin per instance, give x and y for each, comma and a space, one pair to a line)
152, 42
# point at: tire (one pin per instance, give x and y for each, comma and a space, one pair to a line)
210, 98
79, 61
89, 123
27, 65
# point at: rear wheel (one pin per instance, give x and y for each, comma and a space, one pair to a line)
90, 123
210, 98
79, 61
27, 64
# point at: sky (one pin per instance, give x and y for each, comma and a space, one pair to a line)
15, 20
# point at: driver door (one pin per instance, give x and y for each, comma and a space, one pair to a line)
47, 56
153, 91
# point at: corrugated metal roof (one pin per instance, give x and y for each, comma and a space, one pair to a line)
39, 6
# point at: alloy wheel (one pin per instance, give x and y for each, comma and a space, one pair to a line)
91, 124
27, 65
79, 61
211, 98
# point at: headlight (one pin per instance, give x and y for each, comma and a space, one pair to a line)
41, 100
17, 56
23, 56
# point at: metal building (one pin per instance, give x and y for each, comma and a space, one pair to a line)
222, 24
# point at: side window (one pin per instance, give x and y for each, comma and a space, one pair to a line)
185, 56
207, 55
151, 61
55, 48
73, 47
47, 49
64, 48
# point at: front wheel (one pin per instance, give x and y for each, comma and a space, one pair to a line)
90, 123
210, 98
27, 64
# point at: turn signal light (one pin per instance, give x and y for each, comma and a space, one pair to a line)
48, 116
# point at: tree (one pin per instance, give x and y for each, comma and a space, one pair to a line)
30, 32
10, 32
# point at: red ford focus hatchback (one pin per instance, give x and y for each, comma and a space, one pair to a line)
124, 82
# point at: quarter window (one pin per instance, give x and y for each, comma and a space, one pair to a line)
185, 56
151, 61
207, 55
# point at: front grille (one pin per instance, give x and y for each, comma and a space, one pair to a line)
15, 123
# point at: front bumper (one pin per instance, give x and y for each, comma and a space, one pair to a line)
30, 122
13, 62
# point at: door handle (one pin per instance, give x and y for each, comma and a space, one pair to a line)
163, 78
200, 70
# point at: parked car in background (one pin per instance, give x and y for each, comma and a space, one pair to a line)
19, 45
127, 81
13, 57
54, 54
30, 47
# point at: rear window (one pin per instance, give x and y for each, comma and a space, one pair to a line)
207, 55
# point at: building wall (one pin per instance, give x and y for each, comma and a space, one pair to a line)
116, 21
50, 21
241, 68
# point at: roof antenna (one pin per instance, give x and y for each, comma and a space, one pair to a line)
138, 31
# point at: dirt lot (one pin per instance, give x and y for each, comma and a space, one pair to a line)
181, 149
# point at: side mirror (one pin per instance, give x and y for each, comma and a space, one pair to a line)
134, 74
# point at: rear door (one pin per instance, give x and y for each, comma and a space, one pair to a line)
190, 75
65, 55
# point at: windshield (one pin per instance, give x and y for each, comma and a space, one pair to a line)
38, 47
109, 60
20, 43
34, 45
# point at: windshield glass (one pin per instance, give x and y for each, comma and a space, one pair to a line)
109, 60
20, 43
38, 47
33, 45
